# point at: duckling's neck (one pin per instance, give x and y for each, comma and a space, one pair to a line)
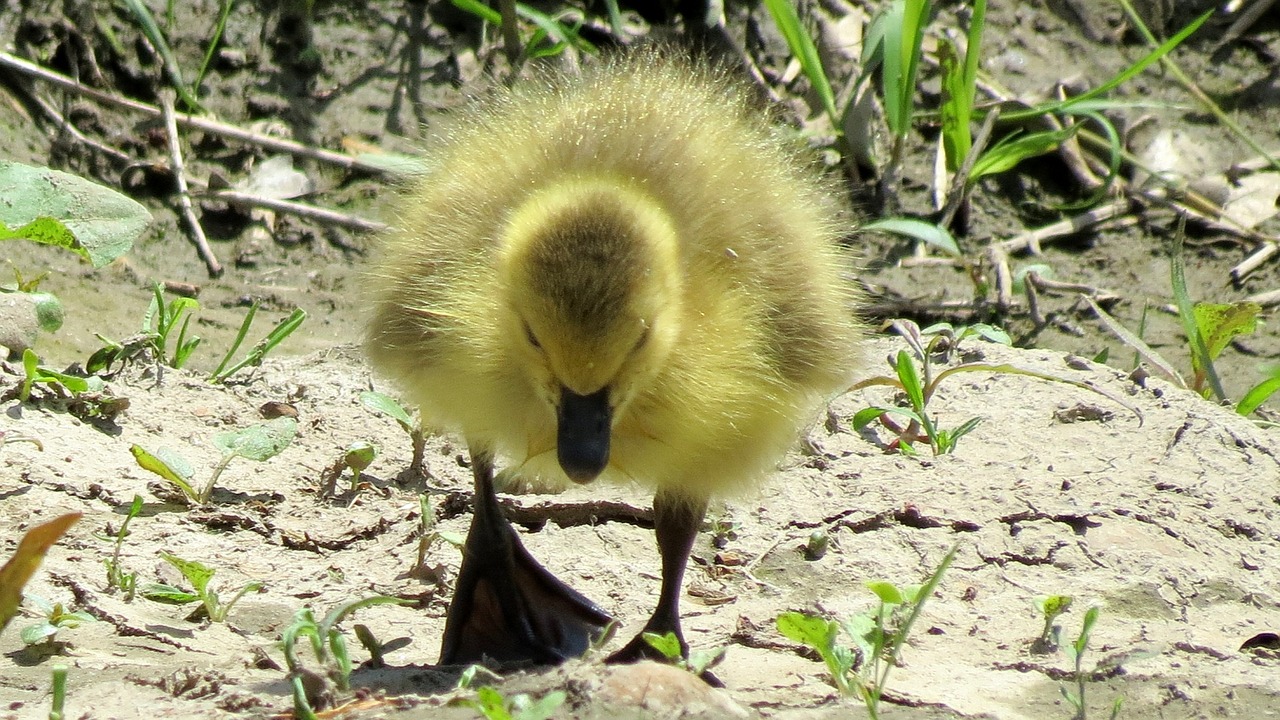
597, 250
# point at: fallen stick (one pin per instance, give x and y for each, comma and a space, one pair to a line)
184, 194
187, 121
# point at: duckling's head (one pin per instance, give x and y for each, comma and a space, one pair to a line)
591, 274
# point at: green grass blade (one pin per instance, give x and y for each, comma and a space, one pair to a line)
480, 10
1258, 394
1199, 348
147, 23
217, 375
925, 232
801, 45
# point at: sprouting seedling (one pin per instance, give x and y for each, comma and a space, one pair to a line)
878, 635
699, 661
37, 373
1209, 328
258, 352
199, 575
160, 321
921, 426
259, 443
54, 617
491, 703
919, 386
117, 578
551, 36
356, 458
428, 533
387, 405
1075, 650
1050, 607
328, 643
59, 692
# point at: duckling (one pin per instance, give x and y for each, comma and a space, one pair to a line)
629, 275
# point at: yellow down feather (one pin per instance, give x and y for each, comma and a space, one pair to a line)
642, 228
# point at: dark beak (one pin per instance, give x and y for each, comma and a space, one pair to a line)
582, 444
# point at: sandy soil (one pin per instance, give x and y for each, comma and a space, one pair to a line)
1170, 525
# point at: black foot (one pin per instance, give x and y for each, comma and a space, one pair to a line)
506, 607
640, 649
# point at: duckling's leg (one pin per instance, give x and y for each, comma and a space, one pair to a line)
506, 607
676, 520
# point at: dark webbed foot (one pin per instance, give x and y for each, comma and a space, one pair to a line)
506, 607
675, 521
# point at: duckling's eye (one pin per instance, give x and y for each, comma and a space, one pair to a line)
533, 339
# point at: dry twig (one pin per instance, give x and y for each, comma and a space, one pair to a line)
184, 195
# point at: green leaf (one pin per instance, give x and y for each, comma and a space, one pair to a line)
259, 442
1053, 605
196, 573
809, 630
888, 593
387, 405
806, 53
956, 109
359, 455
925, 232
1258, 394
56, 208
910, 378
543, 708
1009, 152
1219, 323
167, 594
38, 633
168, 465
666, 644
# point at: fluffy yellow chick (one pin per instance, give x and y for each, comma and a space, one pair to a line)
627, 275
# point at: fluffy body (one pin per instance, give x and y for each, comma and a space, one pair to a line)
644, 229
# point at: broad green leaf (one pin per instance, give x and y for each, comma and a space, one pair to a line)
1053, 605
26, 560
910, 378
541, 709
1219, 323
34, 634
258, 442
387, 405
168, 465
196, 573
956, 109
56, 208
888, 593
925, 232
49, 312
666, 644
815, 632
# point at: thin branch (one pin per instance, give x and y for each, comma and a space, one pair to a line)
184, 195
1030, 241
331, 217
194, 123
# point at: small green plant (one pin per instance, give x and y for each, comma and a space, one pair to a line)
259, 443
117, 578
491, 703
37, 373
699, 661
258, 352
327, 641
919, 385
59, 693
1050, 607
1076, 696
387, 405
357, 457
1209, 328
199, 575
54, 617
551, 35
878, 635
159, 322
921, 426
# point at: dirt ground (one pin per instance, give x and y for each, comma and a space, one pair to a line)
1171, 524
